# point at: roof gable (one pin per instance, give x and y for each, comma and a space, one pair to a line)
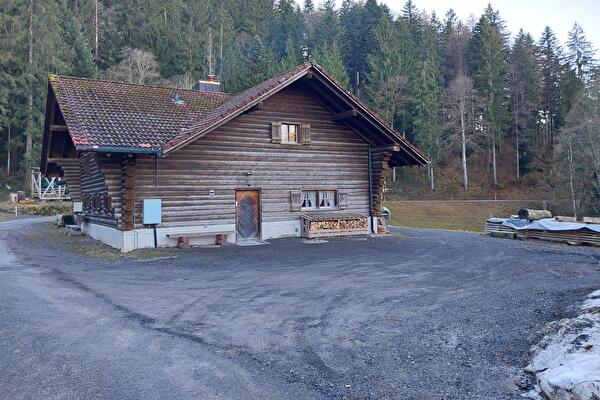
244, 101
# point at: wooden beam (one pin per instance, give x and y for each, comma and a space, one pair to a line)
391, 148
345, 114
58, 128
258, 106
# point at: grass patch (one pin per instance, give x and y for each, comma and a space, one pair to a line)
31, 207
4, 216
48, 235
450, 215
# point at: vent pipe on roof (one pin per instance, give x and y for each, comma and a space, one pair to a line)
210, 84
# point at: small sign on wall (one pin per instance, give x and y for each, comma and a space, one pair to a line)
152, 211
77, 206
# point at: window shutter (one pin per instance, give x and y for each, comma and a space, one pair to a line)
343, 199
296, 199
305, 133
276, 132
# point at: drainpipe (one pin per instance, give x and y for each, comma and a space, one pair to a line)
370, 192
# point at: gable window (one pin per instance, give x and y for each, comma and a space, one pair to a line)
289, 133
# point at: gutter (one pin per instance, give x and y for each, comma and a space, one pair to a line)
370, 192
110, 149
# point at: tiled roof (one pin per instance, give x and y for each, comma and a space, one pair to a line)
104, 114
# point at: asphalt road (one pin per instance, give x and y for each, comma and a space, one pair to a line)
425, 315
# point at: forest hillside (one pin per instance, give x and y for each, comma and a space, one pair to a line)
498, 113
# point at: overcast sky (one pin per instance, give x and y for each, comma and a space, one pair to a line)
531, 15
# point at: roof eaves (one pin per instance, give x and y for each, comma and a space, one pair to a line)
419, 157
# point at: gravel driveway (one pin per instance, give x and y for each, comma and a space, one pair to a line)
421, 314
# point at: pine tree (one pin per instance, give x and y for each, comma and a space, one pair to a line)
551, 70
330, 58
488, 58
328, 30
82, 63
580, 53
524, 93
259, 64
428, 99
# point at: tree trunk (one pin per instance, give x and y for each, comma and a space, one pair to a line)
571, 185
97, 30
29, 129
8, 153
516, 118
431, 176
494, 162
464, 149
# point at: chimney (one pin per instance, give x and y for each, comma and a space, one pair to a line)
208, 85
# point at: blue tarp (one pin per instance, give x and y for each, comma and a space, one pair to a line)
547, 224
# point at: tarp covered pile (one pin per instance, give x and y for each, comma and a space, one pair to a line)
544, 229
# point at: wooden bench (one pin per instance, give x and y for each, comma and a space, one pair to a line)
183, 239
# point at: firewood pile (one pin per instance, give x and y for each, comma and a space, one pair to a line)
334, 224
339, 224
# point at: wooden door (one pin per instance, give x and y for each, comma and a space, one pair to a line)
247, 214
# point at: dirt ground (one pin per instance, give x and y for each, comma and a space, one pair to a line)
419, 314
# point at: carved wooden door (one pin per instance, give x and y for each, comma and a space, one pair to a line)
248, 214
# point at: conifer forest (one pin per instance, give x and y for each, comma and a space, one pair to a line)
491, 109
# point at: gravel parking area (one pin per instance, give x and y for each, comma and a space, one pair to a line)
419, 314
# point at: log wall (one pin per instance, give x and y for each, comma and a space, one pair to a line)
240, 154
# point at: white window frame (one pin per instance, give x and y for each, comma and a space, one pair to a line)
317, 199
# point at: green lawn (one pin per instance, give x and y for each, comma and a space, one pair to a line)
451, 215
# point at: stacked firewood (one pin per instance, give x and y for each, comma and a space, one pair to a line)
324, 225
349, 224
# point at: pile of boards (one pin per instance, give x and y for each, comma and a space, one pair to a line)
555, 229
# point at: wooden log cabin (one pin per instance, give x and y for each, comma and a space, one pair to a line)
295, 155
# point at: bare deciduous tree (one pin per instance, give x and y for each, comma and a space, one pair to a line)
137, 66
459, 103
581, 140
392, 97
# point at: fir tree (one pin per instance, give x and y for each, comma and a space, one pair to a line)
580, 52
82, 64
488, 58
428, 100
551, 71
330, 58
524, 93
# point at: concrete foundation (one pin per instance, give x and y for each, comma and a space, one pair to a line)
144, 238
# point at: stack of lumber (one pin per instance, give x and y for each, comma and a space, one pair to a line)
559, 229
494, 227
571, 237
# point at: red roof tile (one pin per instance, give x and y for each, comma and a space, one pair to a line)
104, 114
